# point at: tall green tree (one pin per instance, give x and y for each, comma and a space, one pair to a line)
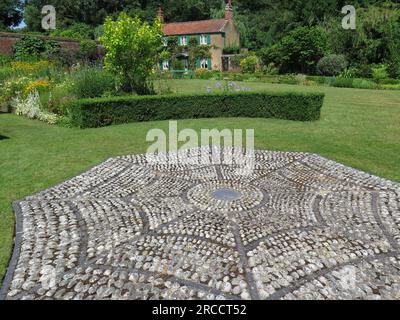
91, 12
376, 40
132, 50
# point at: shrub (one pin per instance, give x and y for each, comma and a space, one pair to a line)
4, 60
361, 71
98, 32
317, 79
60, 97
300, 78
92, 83
88, 50
270, 69
379, 73
217, 75
332, 65
5, 73
341, 82
346, 74
309, 83
249, 64
390, 86
239, 77
35, 47
75, 31
203, 74
69, 57
163, 86
394, 68
390, 81
301, 49
270, 55
12, 88
91, 113
288, 79
132, 48
363, 84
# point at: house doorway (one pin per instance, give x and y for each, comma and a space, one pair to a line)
182, 62
225, 64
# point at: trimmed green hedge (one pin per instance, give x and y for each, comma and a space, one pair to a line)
91, 113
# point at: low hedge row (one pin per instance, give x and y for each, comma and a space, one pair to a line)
91, 113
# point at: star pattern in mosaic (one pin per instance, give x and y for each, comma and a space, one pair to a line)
297, 226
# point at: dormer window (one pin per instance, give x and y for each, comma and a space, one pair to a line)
203, 39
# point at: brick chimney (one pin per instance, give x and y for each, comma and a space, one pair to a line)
229, 10
160, 14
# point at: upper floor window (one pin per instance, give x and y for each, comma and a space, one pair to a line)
183, 41
203, 39
165, 42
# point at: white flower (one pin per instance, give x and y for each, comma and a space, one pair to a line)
31, 107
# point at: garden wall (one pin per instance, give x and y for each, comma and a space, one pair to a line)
93, 113
7, 40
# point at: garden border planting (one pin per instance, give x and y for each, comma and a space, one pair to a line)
99, 112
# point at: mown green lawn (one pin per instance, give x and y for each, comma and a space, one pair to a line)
360, 128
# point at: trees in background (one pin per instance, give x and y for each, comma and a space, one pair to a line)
376, 41
332, 65
298, 52
11, 14
266, 26
90, 12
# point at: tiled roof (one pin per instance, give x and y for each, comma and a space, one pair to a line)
194, 27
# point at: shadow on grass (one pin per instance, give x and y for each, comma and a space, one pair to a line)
3, 137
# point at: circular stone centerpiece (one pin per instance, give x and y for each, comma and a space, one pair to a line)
225, 194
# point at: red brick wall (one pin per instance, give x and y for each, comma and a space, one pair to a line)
7, 40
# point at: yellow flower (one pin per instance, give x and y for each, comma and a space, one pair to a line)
30, 67
35, 85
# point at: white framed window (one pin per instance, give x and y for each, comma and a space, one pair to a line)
203, 39
204, 63
183, 41
165, 65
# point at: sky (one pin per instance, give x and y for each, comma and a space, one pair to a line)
21, 25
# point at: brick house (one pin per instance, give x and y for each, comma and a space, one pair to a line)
217, 33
